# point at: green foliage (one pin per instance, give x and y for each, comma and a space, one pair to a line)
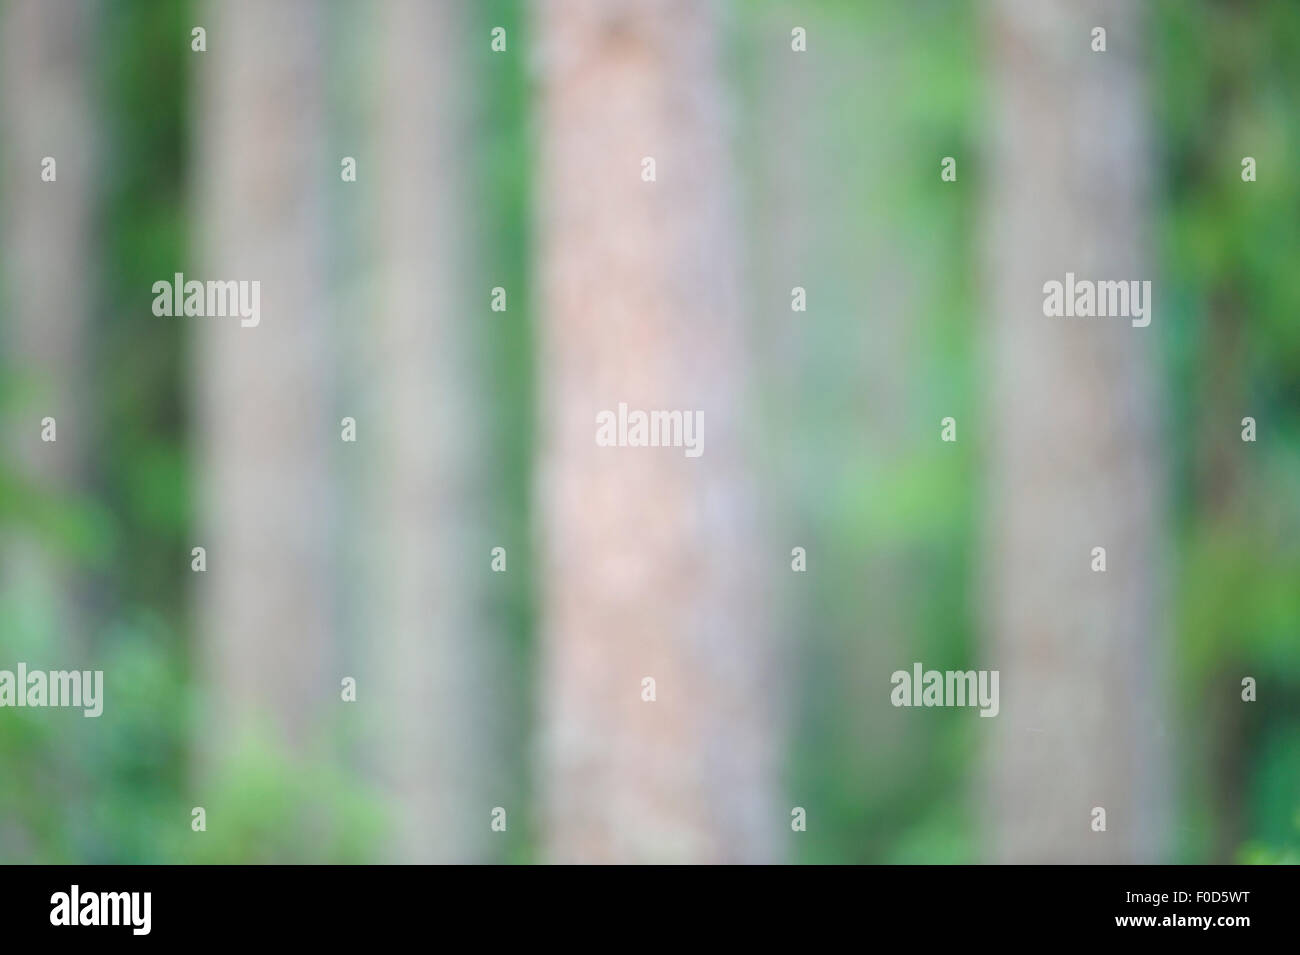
269, 807
1224, 89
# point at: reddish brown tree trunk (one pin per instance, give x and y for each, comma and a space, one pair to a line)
649, 563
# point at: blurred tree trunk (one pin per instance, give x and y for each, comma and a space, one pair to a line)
265, 416
429, 644
1075, 460
49, 274
650, 559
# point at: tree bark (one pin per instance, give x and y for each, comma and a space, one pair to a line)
1074, 460
264, 417
429, 644
50, 274
650, 559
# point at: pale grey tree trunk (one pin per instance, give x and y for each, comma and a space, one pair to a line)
1074, 454
265, 419
650, 561
428, 642
49, 274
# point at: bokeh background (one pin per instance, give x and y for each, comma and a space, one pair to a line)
521, 169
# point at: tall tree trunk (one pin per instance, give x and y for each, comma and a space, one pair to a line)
430, 648
650, 559
49, 274
1074, 459
265, 416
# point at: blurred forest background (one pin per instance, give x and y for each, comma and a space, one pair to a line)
521, 170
